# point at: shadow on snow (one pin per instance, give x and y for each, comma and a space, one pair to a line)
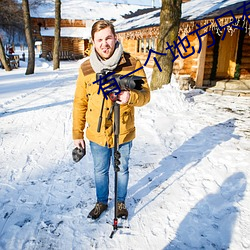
190, 153
23, 110
209, 225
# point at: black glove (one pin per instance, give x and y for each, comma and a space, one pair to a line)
78, 153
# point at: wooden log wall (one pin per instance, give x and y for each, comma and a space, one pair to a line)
47, 45
133, 46
74, 45
209, 59
187, 66
79, 46
245, 61
50, 22
133, 40
66, 44
130, 46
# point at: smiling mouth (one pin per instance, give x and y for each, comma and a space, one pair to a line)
105, 51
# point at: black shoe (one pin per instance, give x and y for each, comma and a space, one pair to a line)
122, 211
97, 210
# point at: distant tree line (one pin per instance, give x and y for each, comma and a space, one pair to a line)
11, 24
11, 20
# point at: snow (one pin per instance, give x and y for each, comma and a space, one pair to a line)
84, 33
145, 20
156, 3
189, 169
192, 10
86, 10
196, 9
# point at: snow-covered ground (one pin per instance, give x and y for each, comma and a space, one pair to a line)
189, 170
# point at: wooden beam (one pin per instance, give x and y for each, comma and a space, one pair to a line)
201, 63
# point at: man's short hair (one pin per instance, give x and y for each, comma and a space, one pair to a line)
101, 24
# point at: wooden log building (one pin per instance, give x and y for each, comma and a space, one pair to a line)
226, 59
74, 36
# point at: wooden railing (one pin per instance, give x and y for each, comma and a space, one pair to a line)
64, 55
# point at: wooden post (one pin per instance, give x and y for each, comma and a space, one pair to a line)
149, 43
140, 46
201, 63
145, 45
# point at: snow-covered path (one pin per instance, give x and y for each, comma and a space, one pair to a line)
189, 171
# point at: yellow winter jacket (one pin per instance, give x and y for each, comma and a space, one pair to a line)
87, 105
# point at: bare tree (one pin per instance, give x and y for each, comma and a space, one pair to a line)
11, 16
3, 57
11, 24
36, 3
28, 33
169, 27
56, 59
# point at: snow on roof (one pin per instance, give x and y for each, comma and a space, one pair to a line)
145, 20
192, 10
80, 32
85, 10
197, 9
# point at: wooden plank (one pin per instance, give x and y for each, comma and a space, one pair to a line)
245, 60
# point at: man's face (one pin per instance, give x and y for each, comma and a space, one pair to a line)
104, 42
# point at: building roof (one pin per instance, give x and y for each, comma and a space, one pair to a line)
193, 10
140, 21
206, 9
85, 10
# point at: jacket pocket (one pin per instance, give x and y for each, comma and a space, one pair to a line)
126, 119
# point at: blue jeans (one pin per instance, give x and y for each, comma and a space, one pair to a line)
102, 158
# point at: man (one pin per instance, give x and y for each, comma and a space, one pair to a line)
107, 54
